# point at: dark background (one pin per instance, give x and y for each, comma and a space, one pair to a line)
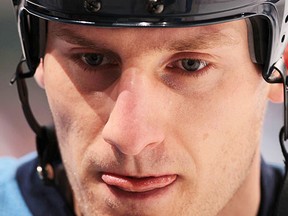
17, 139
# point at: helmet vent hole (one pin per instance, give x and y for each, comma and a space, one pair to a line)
286, 20
155, 6
283, 39
92, 6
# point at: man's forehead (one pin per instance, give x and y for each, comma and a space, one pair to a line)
200, 37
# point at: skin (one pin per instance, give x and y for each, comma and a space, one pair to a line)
140, 114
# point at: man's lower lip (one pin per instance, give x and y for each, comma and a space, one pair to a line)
121, 194
138, 187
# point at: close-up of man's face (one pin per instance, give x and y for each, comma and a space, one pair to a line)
159, 121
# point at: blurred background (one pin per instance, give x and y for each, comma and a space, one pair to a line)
16, 138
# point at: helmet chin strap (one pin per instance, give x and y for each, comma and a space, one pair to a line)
282, 207
283, 136
46, 141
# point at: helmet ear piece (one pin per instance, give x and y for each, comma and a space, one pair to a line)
258, 39
33, 39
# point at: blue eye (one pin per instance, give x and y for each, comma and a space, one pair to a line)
188, 65
92, 59
191, 64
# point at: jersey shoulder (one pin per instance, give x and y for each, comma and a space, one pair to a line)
272, 176
11, 200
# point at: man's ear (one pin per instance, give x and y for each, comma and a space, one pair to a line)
276, 93
39, 75
276, 90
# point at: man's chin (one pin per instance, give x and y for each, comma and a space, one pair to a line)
118, 201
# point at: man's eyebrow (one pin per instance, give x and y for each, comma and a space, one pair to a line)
203, 41
73, 38
199, 42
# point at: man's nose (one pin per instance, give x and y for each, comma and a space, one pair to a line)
134, 123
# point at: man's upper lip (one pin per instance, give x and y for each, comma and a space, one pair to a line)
139, 183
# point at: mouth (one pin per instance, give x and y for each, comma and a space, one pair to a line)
138, 185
